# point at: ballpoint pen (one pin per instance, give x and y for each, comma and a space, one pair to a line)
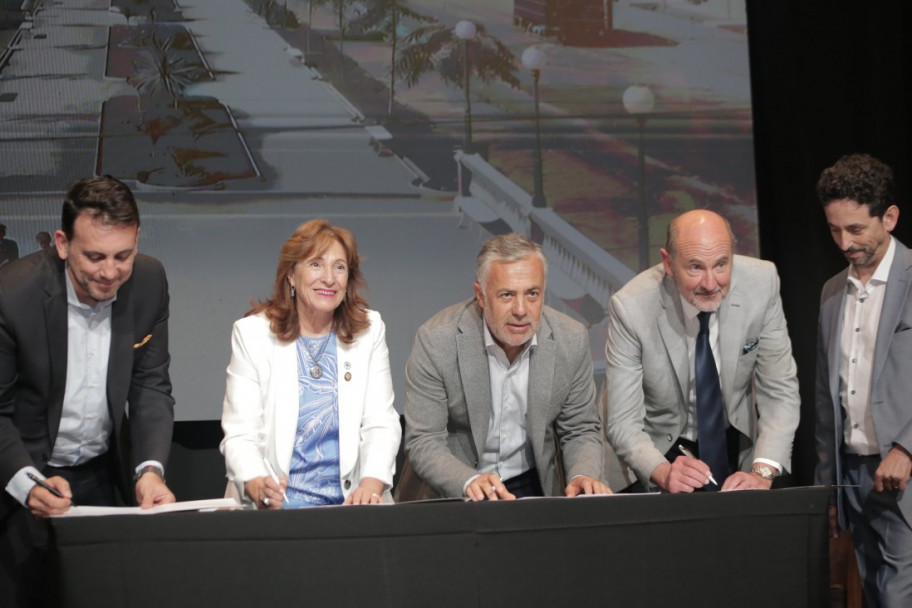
272, 473
48, 487
689, 454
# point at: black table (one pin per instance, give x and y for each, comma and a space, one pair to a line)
740, 549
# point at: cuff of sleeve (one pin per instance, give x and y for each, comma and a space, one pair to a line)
20, 485
468, 481
149, 463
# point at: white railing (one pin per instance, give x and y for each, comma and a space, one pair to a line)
595, 270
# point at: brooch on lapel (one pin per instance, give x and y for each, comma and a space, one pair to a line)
144, 340
748, 347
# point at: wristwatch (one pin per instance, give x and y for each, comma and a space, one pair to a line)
149, 468
765, 471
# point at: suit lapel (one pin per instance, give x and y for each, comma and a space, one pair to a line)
350, 407
832, 311
55, 315
542, 365
285, 399
731, 333
671, 328
894, 300
120, 359
474, 374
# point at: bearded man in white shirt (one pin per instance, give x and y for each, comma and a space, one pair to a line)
864, 377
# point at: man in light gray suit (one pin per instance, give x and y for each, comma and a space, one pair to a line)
653, 330
496, 385
864, 377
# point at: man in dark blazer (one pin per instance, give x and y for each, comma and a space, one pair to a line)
864, 377
85, 397
496, 386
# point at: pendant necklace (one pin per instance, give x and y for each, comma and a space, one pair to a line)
316, 371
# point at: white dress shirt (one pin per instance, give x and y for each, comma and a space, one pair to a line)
691, 329
859, 337
507, 450
85, 424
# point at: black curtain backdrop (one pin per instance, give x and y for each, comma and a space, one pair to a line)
829, 78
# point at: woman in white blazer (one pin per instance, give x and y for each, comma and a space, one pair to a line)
308, 413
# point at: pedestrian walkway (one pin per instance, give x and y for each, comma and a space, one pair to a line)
308, 137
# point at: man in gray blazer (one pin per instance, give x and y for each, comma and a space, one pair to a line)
83, 332
498, 386
864, 377
653, 329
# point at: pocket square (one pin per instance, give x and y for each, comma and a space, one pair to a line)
749, 346
144, 340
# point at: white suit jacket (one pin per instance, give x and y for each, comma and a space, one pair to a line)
648, 368
260, 410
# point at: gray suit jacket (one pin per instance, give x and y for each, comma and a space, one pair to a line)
891, 384
648, 368
33, 362
448, 400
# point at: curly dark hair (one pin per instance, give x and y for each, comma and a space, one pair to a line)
860, 178
313, 238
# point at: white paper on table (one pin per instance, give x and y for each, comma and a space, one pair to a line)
211, 504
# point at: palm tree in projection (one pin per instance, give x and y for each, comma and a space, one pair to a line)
458, 54
390, 19
160, 74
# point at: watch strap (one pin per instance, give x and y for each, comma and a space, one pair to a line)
149, 468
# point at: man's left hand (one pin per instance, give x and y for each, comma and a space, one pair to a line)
151, 491
894, 470
740, 480
585, 485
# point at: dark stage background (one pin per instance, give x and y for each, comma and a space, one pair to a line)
829, 78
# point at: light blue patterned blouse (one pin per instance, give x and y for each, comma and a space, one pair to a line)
314, 476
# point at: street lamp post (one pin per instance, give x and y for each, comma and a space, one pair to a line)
533, 59
465, 31
639, 102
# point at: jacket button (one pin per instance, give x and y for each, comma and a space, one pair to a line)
669, 438
347, 484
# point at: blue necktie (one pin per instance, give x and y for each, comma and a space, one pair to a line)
710, 416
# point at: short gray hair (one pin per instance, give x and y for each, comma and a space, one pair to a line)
506, 248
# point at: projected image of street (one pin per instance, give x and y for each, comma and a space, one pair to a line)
424, 127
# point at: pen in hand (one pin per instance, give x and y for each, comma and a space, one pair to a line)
48, 487
275, 478
689, 454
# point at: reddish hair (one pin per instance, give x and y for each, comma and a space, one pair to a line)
311, 239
